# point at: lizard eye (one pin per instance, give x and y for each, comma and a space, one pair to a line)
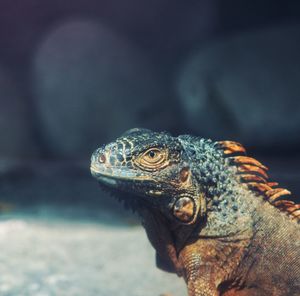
152, 153
152, 159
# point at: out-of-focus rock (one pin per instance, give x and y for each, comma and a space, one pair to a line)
245, 87
166, 27
90, 86
15, 121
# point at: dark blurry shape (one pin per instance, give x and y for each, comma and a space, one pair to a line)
240, 15
246, 87
60, 187
166, 28
15, 120
6, 207
91, 84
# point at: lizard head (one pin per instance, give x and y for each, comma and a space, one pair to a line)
154, 169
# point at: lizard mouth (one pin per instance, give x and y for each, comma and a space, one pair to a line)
117, 184
111, 176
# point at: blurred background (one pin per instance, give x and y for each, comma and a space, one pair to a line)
77, 74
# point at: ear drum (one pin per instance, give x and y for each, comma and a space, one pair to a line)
184, 209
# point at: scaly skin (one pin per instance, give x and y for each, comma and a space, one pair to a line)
202, 215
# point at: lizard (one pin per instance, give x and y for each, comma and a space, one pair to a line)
209, 210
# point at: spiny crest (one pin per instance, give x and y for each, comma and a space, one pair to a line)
253, 173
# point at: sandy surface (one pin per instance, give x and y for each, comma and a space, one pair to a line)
43, 257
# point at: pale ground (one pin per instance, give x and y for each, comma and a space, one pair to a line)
54, 256
61, 235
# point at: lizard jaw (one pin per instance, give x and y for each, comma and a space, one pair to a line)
113, 176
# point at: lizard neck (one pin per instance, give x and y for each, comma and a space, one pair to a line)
230, 205
230, 213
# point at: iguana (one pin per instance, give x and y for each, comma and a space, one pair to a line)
208, 210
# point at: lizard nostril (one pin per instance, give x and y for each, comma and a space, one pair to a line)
102, 158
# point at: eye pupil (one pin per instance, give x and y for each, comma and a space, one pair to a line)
152, 153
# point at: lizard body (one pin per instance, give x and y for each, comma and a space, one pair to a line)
208, 210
